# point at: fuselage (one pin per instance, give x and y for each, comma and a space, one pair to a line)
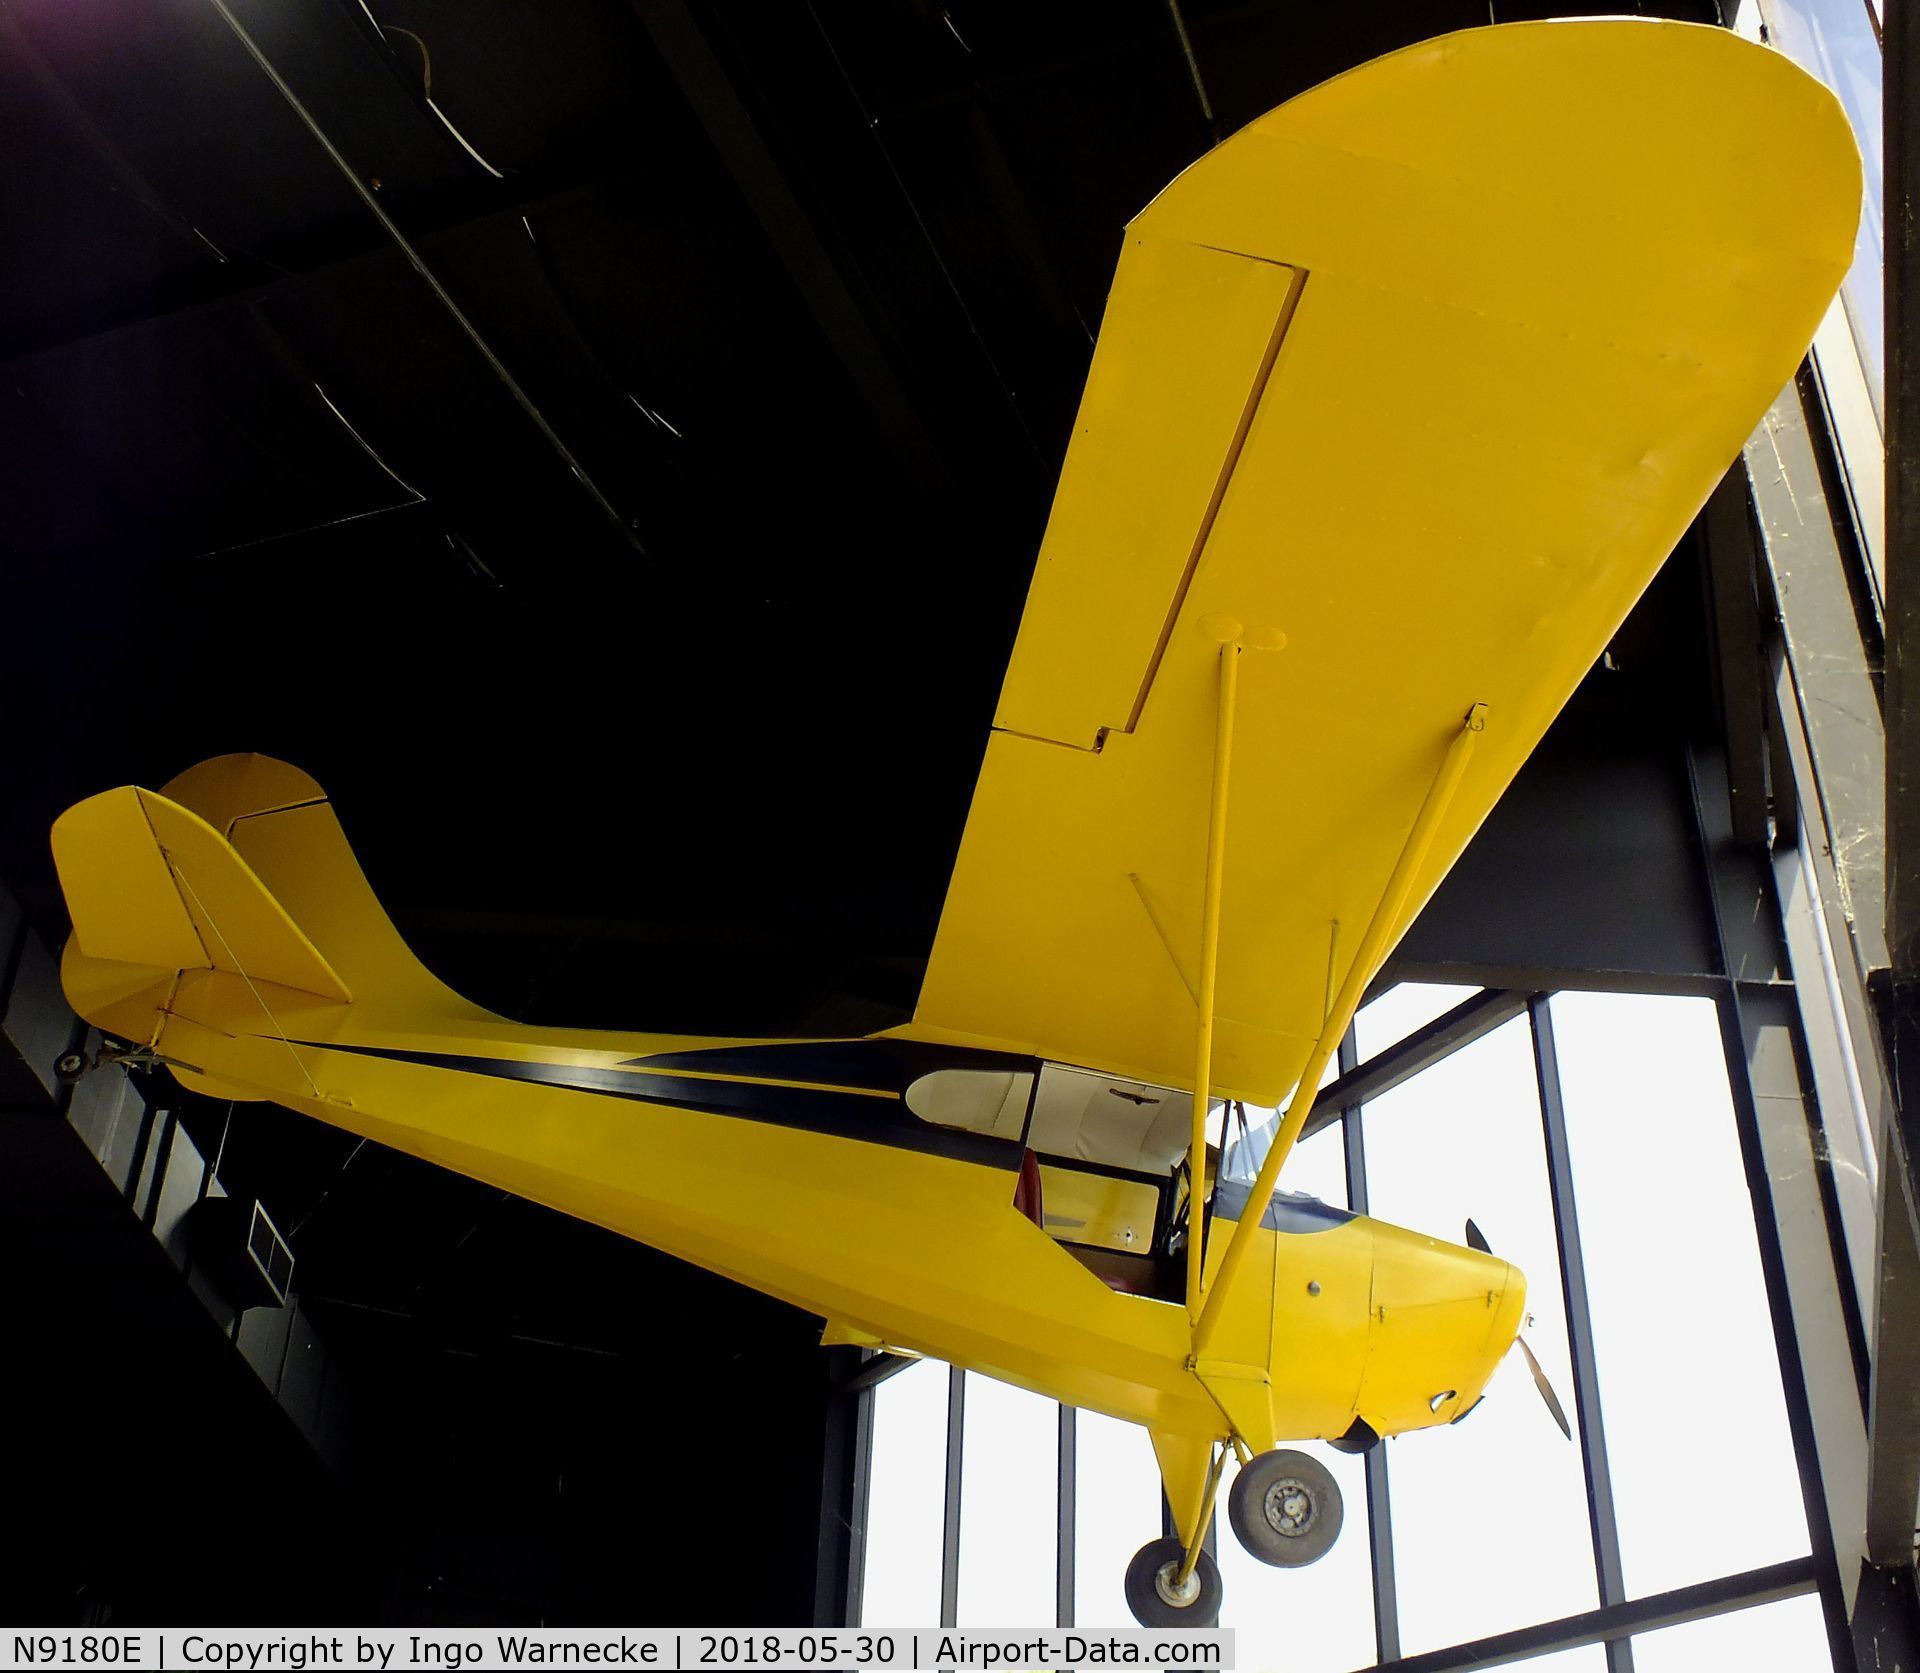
797, 1168
810, 1170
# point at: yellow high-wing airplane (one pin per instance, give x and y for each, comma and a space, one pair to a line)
1401, 397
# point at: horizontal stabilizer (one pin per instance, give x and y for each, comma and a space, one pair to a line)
149, 882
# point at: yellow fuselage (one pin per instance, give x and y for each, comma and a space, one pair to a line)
795, 1167
227, 925
892, 1243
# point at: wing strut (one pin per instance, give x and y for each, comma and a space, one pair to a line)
1209, 966
1384, 929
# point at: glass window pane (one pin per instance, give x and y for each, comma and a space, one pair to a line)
1589, 1658
1785, 1637
1704, 1480
1310, 1620
1835, 41
1318, 1167
1009, 1491
1489, 1515
906, 1498
1402, 1010
1116, 1511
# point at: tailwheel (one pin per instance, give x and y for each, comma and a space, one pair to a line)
69, 1066
1159, 1598
1285, 1509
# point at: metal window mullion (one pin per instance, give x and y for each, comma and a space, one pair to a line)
1764, 1052
1821, 955
1602, 1522
950, 1528
846, 1462
1846, 1163
1823, 1412
1386, 1592
859, 1493
1752, 1589
1066, 1498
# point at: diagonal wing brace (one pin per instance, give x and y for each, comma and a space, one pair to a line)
1388, 922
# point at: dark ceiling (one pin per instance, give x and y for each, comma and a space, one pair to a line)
684, 740
642, 598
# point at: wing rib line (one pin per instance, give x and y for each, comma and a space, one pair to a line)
1289, 306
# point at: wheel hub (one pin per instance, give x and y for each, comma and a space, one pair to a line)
1289, 1508
1172, 1593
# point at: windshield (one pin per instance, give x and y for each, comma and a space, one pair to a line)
1249, 1138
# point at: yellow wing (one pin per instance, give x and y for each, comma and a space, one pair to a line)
1429, 369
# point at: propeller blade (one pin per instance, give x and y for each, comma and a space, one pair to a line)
1477, 1239
1546, 1388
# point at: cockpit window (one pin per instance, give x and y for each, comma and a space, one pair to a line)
977, 1100
1249, 1138
1117, 1123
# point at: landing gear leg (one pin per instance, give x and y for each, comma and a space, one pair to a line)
71, 1066
1169, 1584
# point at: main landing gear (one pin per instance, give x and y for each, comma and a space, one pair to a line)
1158, 1596
1285, 1510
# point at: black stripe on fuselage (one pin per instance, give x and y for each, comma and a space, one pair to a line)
878, 1065
839, 1114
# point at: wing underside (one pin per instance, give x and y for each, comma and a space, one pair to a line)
1429, 370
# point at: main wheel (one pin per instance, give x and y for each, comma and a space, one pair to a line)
1158, 1601
69, 1066
1285, 1509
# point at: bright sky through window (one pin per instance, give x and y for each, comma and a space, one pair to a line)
1489, 1517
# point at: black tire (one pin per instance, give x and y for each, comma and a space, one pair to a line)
1149, 1593
69, 1066
1285, 1509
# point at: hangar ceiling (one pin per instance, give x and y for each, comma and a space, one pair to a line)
808, 292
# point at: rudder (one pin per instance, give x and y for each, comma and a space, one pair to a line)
237, 865
151, 883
